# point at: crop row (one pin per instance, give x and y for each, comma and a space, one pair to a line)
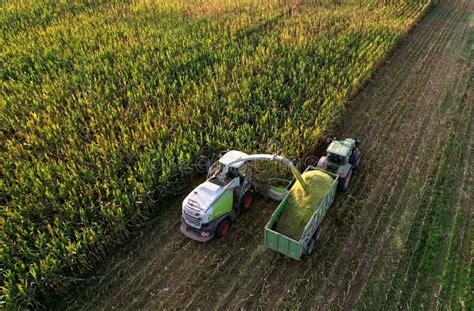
104, 103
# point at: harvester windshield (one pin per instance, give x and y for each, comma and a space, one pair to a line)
215, 169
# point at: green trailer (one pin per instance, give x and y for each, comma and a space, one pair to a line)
288, 246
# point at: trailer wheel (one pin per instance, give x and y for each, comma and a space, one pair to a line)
223, 228
344, 182
310, 247
312, 242
247, 200
317, 234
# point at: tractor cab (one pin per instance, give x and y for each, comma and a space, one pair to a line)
336, 158
342, 157
338, 152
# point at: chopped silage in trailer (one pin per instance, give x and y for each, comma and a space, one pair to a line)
301, 205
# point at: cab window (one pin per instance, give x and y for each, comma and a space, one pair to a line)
243, 170
337, 159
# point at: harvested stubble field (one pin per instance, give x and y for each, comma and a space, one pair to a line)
401, 237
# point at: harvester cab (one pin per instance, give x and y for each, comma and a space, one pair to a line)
342, 158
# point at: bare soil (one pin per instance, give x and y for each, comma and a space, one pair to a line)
399, 238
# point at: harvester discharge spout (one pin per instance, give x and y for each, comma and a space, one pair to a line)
298, 176
274, 157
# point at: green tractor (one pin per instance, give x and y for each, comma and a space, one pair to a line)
342, 158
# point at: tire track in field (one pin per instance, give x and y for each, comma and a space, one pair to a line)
446, 294
184, 271
385, 270
412, 279
459, 234
459, 123
398, 235
387, 295
414, 231
413, 228
461, 131
464, 254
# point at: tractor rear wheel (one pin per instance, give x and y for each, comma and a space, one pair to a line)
223, 228
247, 200
355, 159
344, 182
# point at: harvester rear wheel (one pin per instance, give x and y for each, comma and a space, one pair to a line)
247, 200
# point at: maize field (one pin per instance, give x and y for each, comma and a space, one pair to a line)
104, 104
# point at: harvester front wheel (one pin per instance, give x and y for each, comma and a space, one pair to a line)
223, 228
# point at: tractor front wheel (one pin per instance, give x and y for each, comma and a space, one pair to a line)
223, 228
247, 200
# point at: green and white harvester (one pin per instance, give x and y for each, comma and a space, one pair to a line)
229, 191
